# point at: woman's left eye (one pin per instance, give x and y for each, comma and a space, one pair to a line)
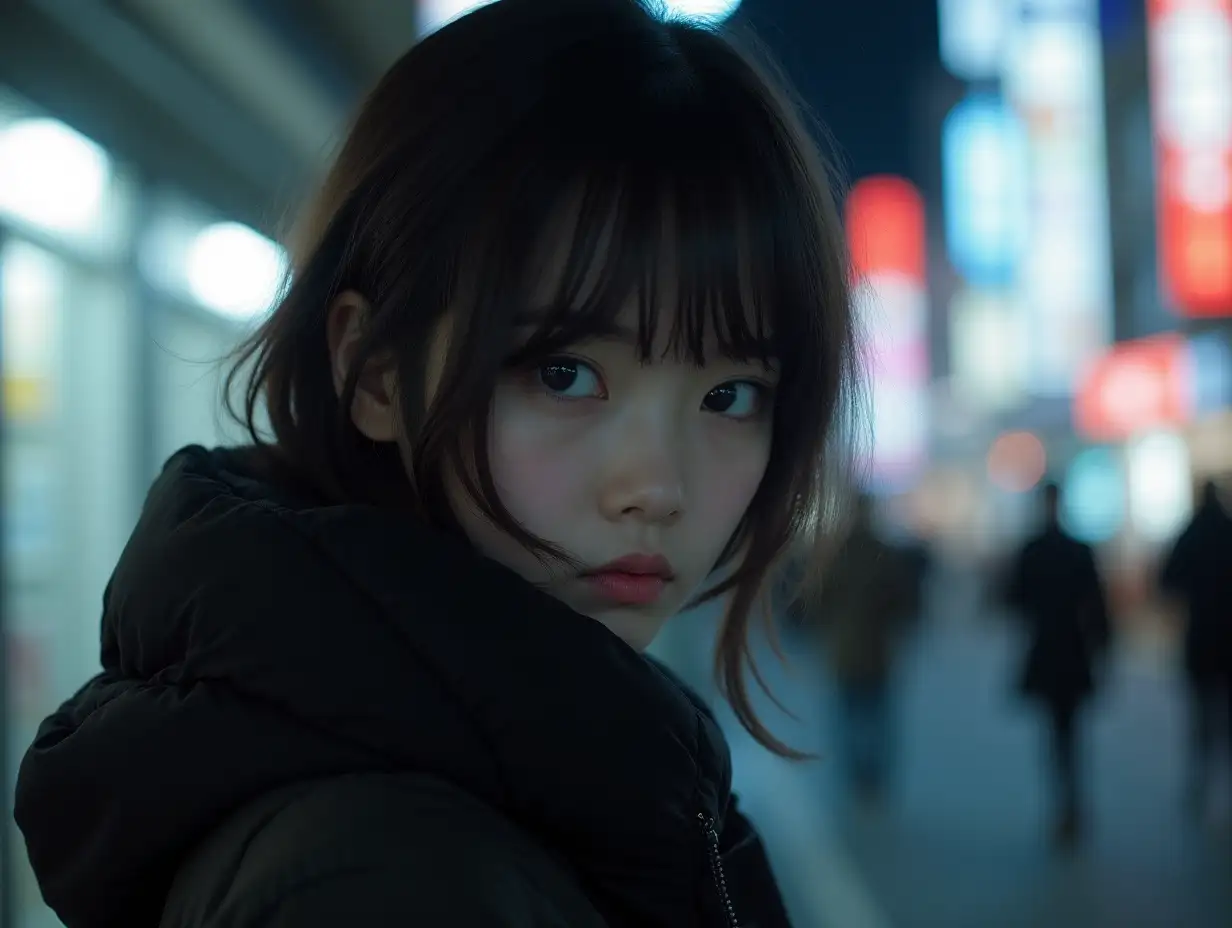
739, 399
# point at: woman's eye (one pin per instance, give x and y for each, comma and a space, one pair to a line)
569, 379
737, 400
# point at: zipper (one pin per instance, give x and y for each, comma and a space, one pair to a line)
716, 869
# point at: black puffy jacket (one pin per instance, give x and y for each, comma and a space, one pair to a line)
317, 715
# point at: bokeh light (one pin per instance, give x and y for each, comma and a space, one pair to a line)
1160, 485
52, 176
235, 271
436, 13
1017, 462
1093, 504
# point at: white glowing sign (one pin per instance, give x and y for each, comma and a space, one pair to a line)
1053, 78
973, 35
1194, 56
987, 332
1160, 485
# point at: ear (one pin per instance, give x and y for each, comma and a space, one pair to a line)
374, 410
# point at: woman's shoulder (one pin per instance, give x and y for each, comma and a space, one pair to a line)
409, 847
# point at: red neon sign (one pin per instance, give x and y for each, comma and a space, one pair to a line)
885, 228
1191, 95
886, 237
1138, 385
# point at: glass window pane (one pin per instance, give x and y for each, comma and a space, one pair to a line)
69, 492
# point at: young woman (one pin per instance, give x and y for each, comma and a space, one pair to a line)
560, 356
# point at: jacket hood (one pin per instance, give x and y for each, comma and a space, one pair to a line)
251, 639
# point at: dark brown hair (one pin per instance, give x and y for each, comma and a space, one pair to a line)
660, 138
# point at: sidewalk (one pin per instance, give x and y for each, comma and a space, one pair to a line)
964, 842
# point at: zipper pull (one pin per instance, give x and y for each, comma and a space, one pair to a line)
716, 869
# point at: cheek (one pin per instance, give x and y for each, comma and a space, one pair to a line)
727, 480
538, 473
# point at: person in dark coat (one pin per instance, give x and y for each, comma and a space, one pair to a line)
559, 357
1198, 572
861, 621
1056, 588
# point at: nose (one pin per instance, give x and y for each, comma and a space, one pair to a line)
644, 479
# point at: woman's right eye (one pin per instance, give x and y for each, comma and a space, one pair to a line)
569, 379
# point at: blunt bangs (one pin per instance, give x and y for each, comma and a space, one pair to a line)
693, 271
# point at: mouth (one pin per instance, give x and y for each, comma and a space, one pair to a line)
635, 580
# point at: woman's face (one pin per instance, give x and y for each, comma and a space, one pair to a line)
640, 471
610, 458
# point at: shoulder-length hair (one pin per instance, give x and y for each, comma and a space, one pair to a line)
665, 143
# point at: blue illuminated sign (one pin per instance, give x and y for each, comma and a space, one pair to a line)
1210, 372
984, 165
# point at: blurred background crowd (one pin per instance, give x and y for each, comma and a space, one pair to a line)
1019, 694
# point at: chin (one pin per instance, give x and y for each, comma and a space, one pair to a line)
636, 629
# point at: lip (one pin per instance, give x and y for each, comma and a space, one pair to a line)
633, 580
642, 565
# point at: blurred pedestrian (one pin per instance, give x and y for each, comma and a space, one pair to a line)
568, 330
868, 598
1056, 589
1198, 573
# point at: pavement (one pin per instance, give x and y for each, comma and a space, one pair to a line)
963, 840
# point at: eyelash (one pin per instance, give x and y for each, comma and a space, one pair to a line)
764, 391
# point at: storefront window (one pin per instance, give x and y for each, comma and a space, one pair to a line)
70, 425
114, 342
31, 287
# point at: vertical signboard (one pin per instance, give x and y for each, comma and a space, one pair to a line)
987, 362
886, 232
1190, 47
1053, 79
972, 34
985, 171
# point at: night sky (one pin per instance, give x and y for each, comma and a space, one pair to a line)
856, 62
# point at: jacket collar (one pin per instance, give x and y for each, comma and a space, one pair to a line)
252, 640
